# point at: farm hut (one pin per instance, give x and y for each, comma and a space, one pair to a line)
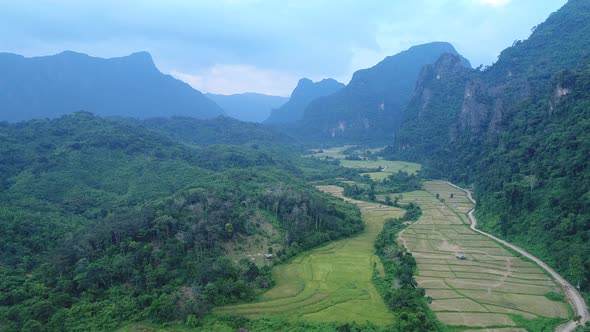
460, 257
267, 256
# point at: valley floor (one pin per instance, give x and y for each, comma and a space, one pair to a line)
492, 287
330, 283
475, 282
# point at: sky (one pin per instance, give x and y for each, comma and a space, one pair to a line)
265, 46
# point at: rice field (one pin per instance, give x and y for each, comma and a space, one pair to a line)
335, 152
488, 287
387, 167
330, 283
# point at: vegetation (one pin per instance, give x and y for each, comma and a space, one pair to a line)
219, 323
395, 183
322, 284
518, 132
398, 286
217, 131
490, 287
104, 223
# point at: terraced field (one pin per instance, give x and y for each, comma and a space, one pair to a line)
489, 287
331, 283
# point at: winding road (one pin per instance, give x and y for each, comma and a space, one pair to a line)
571, 293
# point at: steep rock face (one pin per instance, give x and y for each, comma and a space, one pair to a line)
305, 92
369, 109
431, 117
474, 111
50, 86
522, 73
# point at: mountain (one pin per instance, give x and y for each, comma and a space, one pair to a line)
369, 108
518, 132
50, 86
251, 107
305, 92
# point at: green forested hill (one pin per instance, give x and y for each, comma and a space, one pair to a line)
518, 131
105, 222
220, 130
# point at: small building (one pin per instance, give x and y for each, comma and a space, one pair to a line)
460, 257
267, 256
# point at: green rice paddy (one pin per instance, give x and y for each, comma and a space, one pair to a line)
330, 283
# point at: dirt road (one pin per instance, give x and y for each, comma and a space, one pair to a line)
571, 293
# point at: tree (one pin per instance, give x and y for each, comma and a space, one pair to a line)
576, 270
532, 181
388, 200
229, 228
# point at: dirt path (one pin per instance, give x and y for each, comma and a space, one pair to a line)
571, 293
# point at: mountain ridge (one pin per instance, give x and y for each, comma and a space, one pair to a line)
305, 92
51, 86
369, 108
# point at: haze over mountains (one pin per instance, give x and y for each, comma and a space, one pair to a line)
305, 92
370, 107
50, 86
251, 107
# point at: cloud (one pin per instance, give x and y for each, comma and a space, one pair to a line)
238, 78
265, 45
494, 3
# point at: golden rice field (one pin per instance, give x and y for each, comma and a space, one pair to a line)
330, 283
489, 287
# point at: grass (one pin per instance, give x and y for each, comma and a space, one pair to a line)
335, 152
255, 246
331, 283
387, 167
493, 287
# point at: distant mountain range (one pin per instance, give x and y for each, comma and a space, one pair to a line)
370, 107
251, 107
305, 92
50, 86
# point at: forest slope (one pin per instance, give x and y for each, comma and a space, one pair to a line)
105, 223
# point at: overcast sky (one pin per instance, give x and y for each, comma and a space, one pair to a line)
265, 46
